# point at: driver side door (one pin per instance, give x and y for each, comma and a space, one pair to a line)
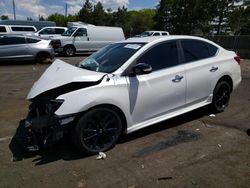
81, 40
162, 91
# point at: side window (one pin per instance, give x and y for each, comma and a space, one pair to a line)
161, 56
194, 50
212, 49
12, 40
59, 31
28, 29
16, 28
2, 29
156, 34
48, 31
31, 40
164, 34
81, 32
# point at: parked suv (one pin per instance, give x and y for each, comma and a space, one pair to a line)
14, 47
127, 86
49, 32
16, 29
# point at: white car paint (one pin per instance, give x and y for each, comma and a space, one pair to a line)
144, 99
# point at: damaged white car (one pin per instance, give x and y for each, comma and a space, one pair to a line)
127, 86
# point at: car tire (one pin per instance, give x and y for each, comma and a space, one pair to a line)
43, 57
69, 51
221, 96
97, 130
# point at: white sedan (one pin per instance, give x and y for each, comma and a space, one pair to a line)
127, 86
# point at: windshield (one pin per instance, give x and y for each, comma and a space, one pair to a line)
111, 57
69, 31
146, 33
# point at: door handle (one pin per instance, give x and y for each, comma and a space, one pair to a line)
177, 78
213, 69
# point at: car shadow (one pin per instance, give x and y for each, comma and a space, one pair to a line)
65, 150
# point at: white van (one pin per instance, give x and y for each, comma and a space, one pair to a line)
16, 29
48, 32
86, 38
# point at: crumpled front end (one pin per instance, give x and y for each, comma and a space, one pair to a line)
42, 127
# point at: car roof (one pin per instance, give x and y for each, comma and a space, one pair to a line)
162, 38
21, 36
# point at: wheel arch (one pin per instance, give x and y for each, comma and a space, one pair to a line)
69, 45
36, 57
110, 106
227, 79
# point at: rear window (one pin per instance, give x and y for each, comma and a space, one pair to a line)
12, 40
195, 50
156, 34
2, 29
31, 40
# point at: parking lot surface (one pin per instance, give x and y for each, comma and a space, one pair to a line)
197, 149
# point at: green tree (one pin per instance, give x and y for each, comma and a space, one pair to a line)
239, 19
185, 16
120, 17
71, 18
4, 17
162, 16
41, 18
98, 14
85, 14
60, 19
139, 21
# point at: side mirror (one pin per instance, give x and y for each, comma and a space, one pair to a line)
142, 68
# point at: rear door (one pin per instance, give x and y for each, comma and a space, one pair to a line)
202, 69
161, 91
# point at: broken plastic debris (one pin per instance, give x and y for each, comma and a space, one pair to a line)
219, 145
197, 129
165, 178
212, 115
142, 166
101, 155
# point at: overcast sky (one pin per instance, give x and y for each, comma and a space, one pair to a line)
34, 8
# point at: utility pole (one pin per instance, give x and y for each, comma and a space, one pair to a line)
66, 10
14, 9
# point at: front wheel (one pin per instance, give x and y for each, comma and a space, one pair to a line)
97, 130
69, 51
221, 96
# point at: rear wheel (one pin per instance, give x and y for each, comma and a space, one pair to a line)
69, 51
221, 96
43, 58
97, 130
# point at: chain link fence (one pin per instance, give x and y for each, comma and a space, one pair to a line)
239, 43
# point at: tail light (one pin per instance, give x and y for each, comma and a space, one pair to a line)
237, 59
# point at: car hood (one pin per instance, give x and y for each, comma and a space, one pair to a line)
59, 74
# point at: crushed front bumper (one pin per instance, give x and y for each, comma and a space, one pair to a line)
41, 130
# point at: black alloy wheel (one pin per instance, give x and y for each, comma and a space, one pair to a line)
221, 96
97, 130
